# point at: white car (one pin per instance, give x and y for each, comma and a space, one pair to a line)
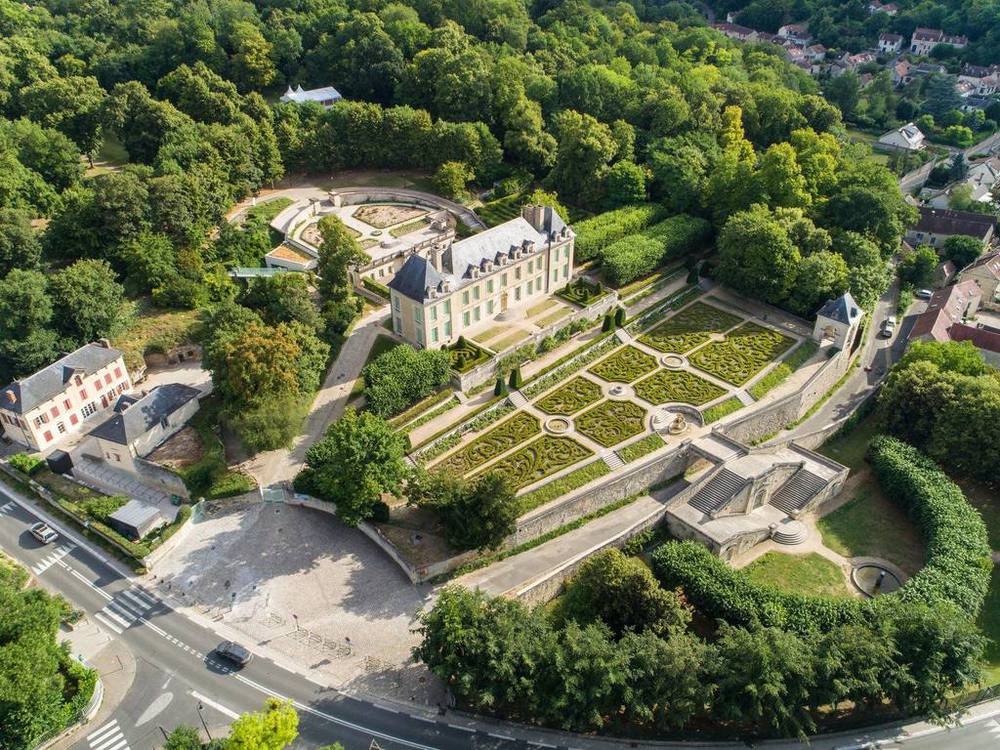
43, 533
924, 294
888, 327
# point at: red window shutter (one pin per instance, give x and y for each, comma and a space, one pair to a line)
73, 419
47, 435
118, 372
67, 404
54, 411
107, 378
83, 394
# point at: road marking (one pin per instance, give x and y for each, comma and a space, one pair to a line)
108, 737
107, 623
103, 730
52, 558
94, 586
460, 728
119, 615
139, 598
6, 508
506, 737
217, 706
423, 719
540, 744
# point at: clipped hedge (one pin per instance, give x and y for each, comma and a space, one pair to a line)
596, 232
957, 571
642, 253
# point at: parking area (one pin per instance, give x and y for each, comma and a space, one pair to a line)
301, 583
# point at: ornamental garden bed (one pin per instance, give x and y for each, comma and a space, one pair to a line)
625, 365
491, 444
744, 352
689, 328
409, 227
539, 459
581, 292
571, 397
642, 447
384, 215
612, 422
665, 386
464, 355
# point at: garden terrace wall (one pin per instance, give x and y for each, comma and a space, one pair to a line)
486, 372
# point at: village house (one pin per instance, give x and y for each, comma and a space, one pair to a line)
936, 225
326, 97
924, 40
905, 138
984, 272
889, 44
45, 409
494, 273
797, 33
946, 319
981, 179
902, 72
735, 31
876, 6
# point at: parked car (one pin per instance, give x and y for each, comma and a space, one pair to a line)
924, 294
234, 652
43, 533
888, 327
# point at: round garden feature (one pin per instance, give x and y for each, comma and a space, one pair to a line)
619, 392
558, 425
673, 361
873, 579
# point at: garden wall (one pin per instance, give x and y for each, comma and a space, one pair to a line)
486, 372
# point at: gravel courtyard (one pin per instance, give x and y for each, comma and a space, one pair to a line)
258, 567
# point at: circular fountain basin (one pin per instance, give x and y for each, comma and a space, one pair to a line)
872, 579
558, 425
673, 361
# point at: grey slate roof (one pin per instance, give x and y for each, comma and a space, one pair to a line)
25, 394
415, 277
135, 417
843, 309
484, 246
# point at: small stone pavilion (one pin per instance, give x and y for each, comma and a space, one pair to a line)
839, 321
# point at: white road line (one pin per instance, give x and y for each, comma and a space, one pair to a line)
107, 623
121, 745
105, 743
127, 607
423, 719
116, 616
103, 730
460, 728
92, 585
140, 603
151, 601
540, 744
506, 737
217, 706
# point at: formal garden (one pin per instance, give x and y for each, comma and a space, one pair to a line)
465, 355
537, 460
742, 354
581, 292
612, 422
665, 386
625, 365
691, 327
571, 397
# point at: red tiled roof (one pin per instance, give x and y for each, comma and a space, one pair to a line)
981, 338
945, 308
991, 261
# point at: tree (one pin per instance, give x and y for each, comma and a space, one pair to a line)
402, 376
820, 277
858, 663
585, 147
359, 459
451, 178
961, 357
88, 302
25, 304
71, 105
962, 250
940, 95
625, 184
779, 178
845, 92
917, 268
19, 245
668, 686
338, 251
282, 299
183, 737
274, 728
477, 514
757, 256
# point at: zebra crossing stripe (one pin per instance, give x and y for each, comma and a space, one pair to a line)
122, 618
103, 730
130, 609
107, 623
5, 508
135, 599
52, 558
112, 741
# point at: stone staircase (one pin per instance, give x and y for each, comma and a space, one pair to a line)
796, 493
612, 459
789, 532
717, 491
517, 400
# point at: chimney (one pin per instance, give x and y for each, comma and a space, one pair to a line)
103, 342
534, 215
10, 396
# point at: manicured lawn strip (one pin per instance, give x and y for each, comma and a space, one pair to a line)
611, 422
624, 366
430, 414
658, 278
722, 409
783, 370
539, 459
800, 574
870, 525
989, 623
581, 292
986, 500
508, 341
583, 354
419, 408
689, 328
642, 447
412, 226
553, 317
563, 485
541, 307
465, 355
490, 333
267, 210
491, 444
745, 352
571, 397
480, 416
677, 385
850, 448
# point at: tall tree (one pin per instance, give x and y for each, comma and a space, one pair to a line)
88, 302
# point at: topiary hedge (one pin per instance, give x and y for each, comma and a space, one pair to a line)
957, 570
596, 232
640, 254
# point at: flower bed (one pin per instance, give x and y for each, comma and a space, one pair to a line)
677, 385
563, 485
624, 366
465, 355
642, 447
581, 292
689, 328
611, 422
539, 459
721, 409
571, 397
745, 352
491, 444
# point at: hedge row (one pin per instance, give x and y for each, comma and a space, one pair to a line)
596, 232
957, 569
642, 253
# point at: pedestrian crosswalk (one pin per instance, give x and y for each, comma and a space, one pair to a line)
108, 737
52, 558
6, 508
124, 609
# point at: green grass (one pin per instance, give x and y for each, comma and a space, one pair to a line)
501, 210
870, 525
156, 331
612, 422
508, 341
722, 409
665, 386
624, 366
541, 307
563, 485
553, 317
800, 574
642, 447
570, 397
267, 210
850, 448
581, 292
744, 352
989, 624
412, 226
689, 328
490, 444
465, 355
783, 370
539, 459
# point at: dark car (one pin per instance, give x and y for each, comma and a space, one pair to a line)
234, 652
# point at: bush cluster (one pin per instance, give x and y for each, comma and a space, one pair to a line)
598, 231
26, 463
402, 376
641, 253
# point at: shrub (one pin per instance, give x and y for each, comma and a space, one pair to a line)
620, 317
515, 378
26, 463
380, 512
596, 232
499, 388
642, 253
396, 380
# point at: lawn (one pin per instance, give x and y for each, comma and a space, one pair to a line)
501, 210
784, 369
744, 352
265, 211
689, 328
799, 574
571, 397
563, 485
465, 355
721, 409
581, 292
611, 422
490, 444
412, 226
156, 331
624, 366
665, 386
850, 449
870, 525
987, 501
553, 317
508, 341
638, 449
539, 459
